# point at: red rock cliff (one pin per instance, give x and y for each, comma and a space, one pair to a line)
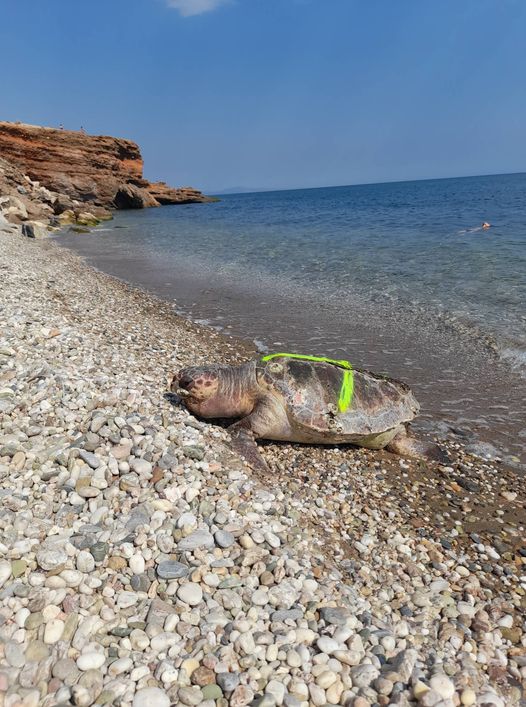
98, 169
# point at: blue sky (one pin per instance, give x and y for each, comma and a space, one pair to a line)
278, 93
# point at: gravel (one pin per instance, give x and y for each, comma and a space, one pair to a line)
143, 564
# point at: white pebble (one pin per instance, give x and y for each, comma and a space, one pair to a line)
506, 621
443, 685
53, 631
5, 572
91, 661
137, 564
85, 561
190, 593
121, 665
327, 645
151, 697
259, 597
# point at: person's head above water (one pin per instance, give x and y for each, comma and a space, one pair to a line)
485, 224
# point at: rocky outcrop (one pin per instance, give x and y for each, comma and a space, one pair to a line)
96, 169
33, 210
166, 195
20, 198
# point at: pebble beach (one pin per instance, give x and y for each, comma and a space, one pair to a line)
143, 564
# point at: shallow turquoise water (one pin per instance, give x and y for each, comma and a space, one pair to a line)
397, 277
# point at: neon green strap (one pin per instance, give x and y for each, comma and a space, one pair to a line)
347, 389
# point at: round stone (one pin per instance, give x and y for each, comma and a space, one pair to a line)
190, 696
293, 659
203, 676
198, 539
151, 697
334, 615
140, 583
91, 661
85, 562
5, 571
92, 681
141, 466
53, 631
327, 645
65, 669
14, 655
99, 551
211, 692
443, 685
18, 568
91, 459
37, 651
171, 569
363, 675
190, 593
259, 597
137, 564
272, 539
227, 681
121, 665
468, 697
51, 558
224, 539
277, 690
326, 679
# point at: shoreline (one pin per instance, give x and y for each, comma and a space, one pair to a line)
348, 577
466, 389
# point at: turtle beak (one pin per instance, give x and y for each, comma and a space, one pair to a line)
182, 385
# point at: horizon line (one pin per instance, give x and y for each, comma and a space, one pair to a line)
261, 190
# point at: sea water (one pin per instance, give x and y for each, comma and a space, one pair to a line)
399, 278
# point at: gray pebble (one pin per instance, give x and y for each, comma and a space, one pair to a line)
336, 616
224, 539
227, 681
99, 551
91, 459
171, 569
198, 539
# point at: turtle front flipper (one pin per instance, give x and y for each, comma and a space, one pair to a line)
243, 443
407, 446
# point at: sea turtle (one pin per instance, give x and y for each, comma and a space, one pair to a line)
297, 398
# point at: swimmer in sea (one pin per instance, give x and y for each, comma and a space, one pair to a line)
483, 227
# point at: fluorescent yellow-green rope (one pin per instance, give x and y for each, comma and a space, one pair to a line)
347, 389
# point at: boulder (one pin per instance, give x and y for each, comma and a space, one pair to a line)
66, 217
5, 226
15, 210
63, 203
38, 211
35, 229
99, 212
87, 219
129, 196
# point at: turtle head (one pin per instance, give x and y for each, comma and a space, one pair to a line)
216, 390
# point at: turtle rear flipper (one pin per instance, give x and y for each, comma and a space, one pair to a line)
407, 446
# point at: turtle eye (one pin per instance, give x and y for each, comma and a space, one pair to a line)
275, 367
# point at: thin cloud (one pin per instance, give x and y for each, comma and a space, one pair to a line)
187, 8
